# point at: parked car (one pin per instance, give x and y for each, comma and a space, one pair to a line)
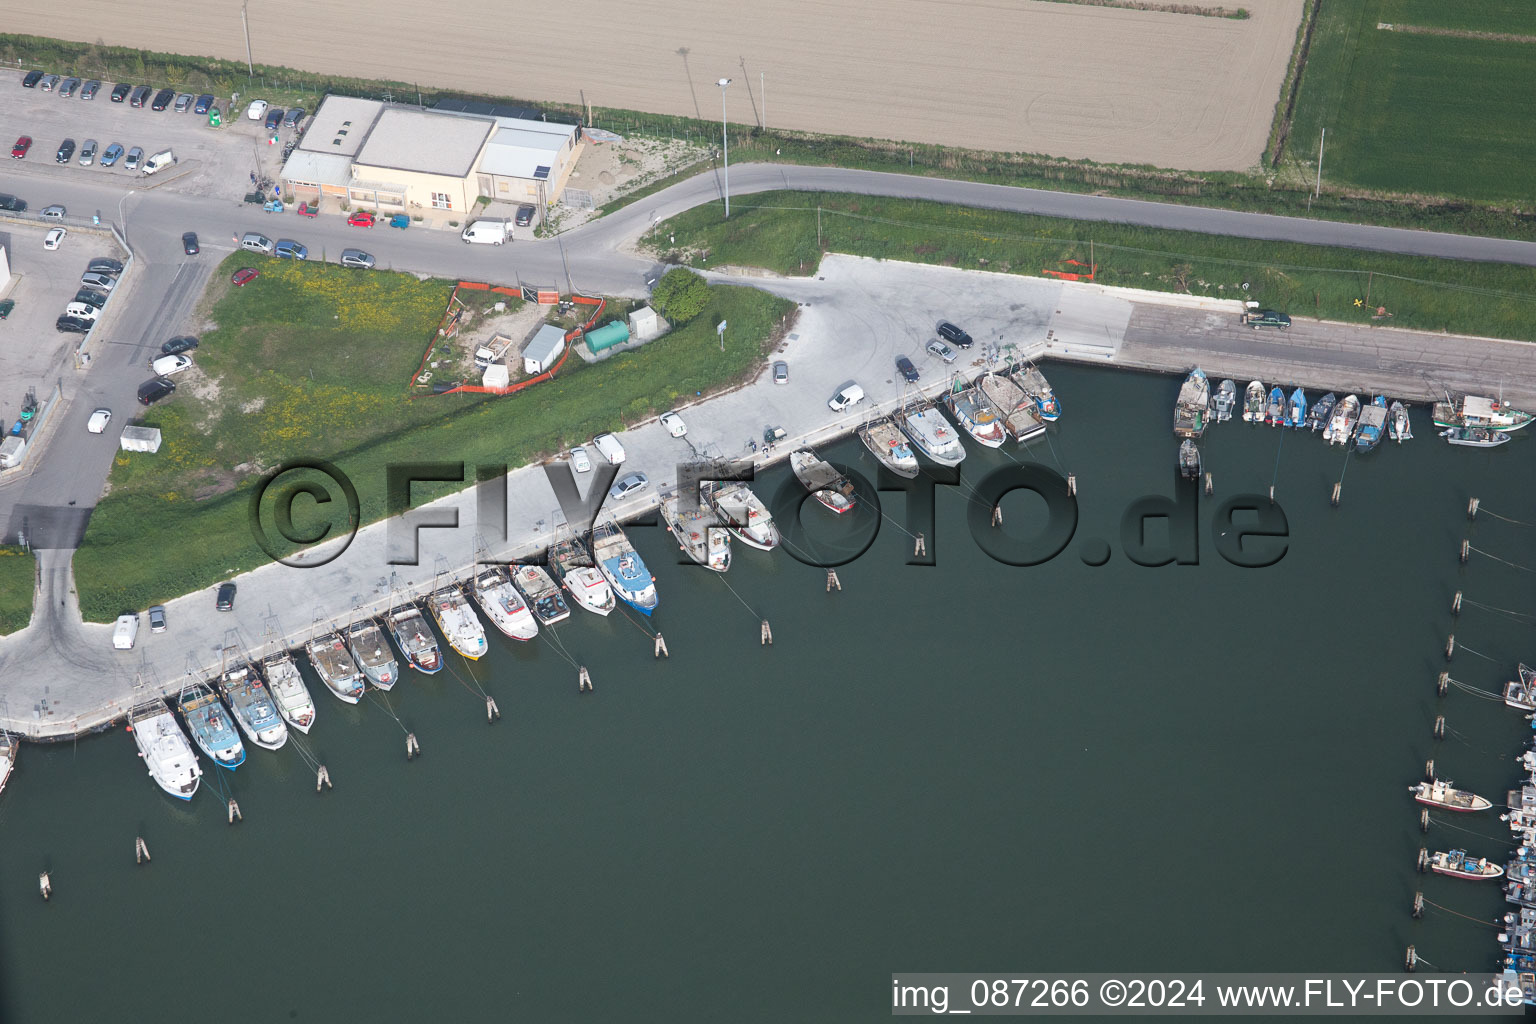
88, 153
68, 86
224, 600
95, 279
579, 461
54, 236
362, 219
139, 96
1266, 318
90, 298
849, 394
674, 424
154, 389
165, 366
48, 83
10, 202
112, 155
293, 117
183, 102
609, 447
256, 242
631, 483
906, 369
176, 346
781, 373
67, 324
943, 351
98, 421
104, 265
53, 212
90, 89
203, 103
525, 215
954, 335
356, 259
134, 159
19, 151
66, 150
257, 111
157, 619
189, 243
288, 249
120, 92
244, 276
274, 118
163, 99
30, 79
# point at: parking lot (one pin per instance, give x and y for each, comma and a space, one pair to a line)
210, 161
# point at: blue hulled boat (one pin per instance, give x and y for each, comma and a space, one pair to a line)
211, 727
1373, 425
1296, 412
253, 707
623, 568
1274, 413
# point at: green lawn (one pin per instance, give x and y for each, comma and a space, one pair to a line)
289, 386
1420, 114
17, 585
778, 230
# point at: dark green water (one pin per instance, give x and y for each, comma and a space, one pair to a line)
970, 767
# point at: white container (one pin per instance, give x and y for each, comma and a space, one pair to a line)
496, 376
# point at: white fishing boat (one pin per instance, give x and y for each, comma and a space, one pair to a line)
1399, 427
1253, 402
1225, 401
932, 434
623, 568
166, 751
334, 665
572, 563
830, 487
1013, 407
1478, 411
974, 415
1342, 426
1475, 437
698, 533
371, 652
289, 692
542, 592
1192, 407
503, 605
889, 447
252, 705
742, 513
1029, 377
457, 621
414, 638
8, 748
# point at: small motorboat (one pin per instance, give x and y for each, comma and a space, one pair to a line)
1296, 411
1274, 412
1475, 437
1373, 425
1441, 794
1319, 415
1253, 402
1457, 864
1189, 460
1342, 426
1399, 428
1192, 407
1225, 401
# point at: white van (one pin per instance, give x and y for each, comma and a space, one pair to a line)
125, 632
83, 310
610, 448
488, 232
848, 394
256, 242
159, 162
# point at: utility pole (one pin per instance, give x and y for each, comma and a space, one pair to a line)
725, 149
762, 88
250, 66
1321, 139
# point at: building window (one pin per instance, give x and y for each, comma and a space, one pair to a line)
440, 201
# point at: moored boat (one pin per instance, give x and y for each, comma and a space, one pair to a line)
1319, 415
1342, 426
1011, 405
1189, 460
333, 663
570, 560
289, 692
252, 705
932, 434
371, 652
458, 622
1296, 410
1253, 402
1457, 864
831, 488
503, 605
1225, 401
1191, 410
414, 638
1521, 694
1476, 411
166, 752
1373, 425
1441, 794
1274, 412
542, 592
1475, 437
211, 727
698, 533
741, 512
8, 750
1399, 427
1029, 377
974, 416
623, 568
889, 447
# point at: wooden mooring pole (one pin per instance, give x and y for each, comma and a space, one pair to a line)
234, 811
767, 637
583, 680
140, 850
661, 647
323, 779
833, 581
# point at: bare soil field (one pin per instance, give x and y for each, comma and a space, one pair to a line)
1099, 83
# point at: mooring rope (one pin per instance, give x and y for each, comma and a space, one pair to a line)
1480, 654
559, 645
1496, 558
1517, 522
1518, 616
1448, 910
375, 695
305, 753
1474, 691
1442, 823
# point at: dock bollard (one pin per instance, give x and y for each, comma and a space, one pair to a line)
1424, 820
1450, 646
1418, 905
833, 581
1423, 860
323, 778
140, 850
1443, 683
1429, 770
412, 747
583, 681
919, 548
234, 811
1472, 508
1456, 604
661, 647
44, 886
1412, 959
1439, 730
492, 712
1338, 493
767, 634
1466, 551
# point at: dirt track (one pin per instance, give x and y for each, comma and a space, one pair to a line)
1090, 82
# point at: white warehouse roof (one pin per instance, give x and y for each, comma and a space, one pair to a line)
519, 147
425, 142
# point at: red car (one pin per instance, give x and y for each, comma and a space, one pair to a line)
361, 219
245, 275
22, 145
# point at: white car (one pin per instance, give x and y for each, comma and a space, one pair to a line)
167, 365
98, 421
257, 111
579, 460
674, 424
54, 236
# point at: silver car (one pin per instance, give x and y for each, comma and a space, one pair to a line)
627, 485
134, 158
357, 259
88, 153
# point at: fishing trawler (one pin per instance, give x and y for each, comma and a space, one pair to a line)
1012, 406
1441, 794
1028, 377
830, 487
8, 750
334, 665
623, 568
414, 638
164, 748
1192, 408
932, 434
458, 622
570, 561
1274, 412
698, 533
1457, 864
503, 605
1475, 437
371, 652
1319, 415
211, 727
1475, 411
289, 692
974, 416
741, 512
1342, 426
1521, 694
1399, 427
1189, 460
1373, 425
1225, 401
1296, 411
1253, 402
886, 444
543, 594
253, 707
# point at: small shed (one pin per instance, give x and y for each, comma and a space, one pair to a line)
12, 451
544, 349
615, 332
496, 376
140, 439
644, 324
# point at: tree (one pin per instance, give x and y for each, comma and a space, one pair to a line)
680, 295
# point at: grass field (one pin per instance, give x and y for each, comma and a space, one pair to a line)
17, 577
285, 388
1419, 113
779, 230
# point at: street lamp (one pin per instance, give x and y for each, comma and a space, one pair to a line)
725, 146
